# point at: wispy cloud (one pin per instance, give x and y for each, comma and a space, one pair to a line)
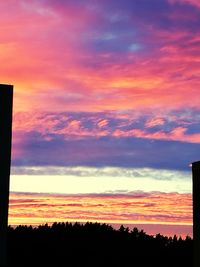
107, 138
177, 125
100, 56
133, 208
98, 85
87, 180
127, 70
82, 171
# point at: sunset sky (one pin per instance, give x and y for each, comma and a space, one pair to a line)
106, 109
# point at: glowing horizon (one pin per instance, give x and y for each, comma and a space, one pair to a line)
134, 209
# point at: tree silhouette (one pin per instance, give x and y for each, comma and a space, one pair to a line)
95, 244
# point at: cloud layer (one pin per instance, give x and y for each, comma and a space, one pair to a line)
167, 140
101, 56
112, 85
101, 180
118, 79
135, 208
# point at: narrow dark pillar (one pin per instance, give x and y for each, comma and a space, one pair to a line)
6, 101
196, 212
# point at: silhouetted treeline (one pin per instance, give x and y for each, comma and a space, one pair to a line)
95, 244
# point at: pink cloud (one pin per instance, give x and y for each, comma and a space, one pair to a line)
102, 123
154, 122
131, 208
55, 68
49, 60
191, 2
177, 134
52, 124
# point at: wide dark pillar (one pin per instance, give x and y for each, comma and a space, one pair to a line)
6, 103
196, 211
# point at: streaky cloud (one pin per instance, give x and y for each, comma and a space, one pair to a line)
101, 172
144, 208
119, 139
89, 180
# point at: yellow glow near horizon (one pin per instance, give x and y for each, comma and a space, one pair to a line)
135, 208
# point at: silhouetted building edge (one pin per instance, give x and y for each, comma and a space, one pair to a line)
6, 106
196, 211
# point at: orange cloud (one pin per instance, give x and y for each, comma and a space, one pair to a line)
155, 208
49, 60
